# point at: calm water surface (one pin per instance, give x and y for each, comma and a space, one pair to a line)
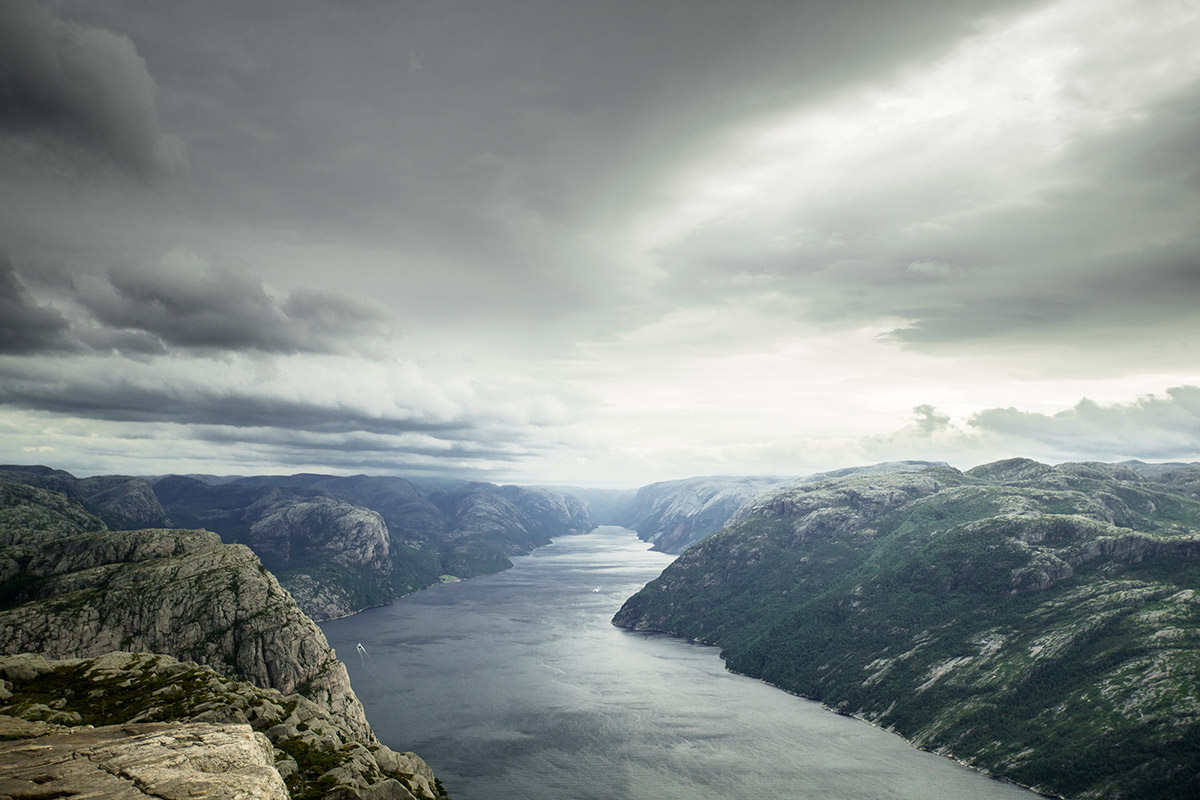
516, 685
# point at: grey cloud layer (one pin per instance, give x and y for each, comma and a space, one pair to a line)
535, 183
117, 397
214, 308
26, 326
187, 304
83, 86
1151, 427
498, 142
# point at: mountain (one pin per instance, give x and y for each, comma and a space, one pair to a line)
70, 593
341, 544
122, 501
604, 506
73, 590
672, 515
485, 524
1037, 622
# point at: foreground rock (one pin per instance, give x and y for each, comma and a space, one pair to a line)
171, 729
169, 761
182, 593
1040, 623
77, 594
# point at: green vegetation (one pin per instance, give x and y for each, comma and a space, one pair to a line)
1040, 623
474, 557
310, 782
121, 688
25, 509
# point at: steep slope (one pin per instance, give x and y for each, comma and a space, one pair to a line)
485, 524
72, 590
335, 558
178, 592
341, 544
1037, 622
145, 725
604, 506
122, 501
672, 515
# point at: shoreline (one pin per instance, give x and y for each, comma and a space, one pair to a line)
947, 755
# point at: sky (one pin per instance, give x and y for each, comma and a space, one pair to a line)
600, 243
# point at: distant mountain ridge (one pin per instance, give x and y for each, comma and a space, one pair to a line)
1039, 622
338, 543
124, 502
674, 515
341, 544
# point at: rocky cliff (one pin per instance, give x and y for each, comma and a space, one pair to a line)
141, 725
70, 589
122, 501
335, 558
486, 524
673, 515
1037, 622
179, 592
341, 544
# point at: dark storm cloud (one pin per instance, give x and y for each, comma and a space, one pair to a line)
360, 447
481, 137
187, 303
1151, 427
26, 328
99, 395
583, 212
83, 86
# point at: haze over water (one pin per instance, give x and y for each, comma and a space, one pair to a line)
517, 685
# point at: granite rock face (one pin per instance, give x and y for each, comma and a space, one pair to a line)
178, 592
262, 703
28, 514
138, 724
122, 501
334, 557
674, 515
131, 762
341, 544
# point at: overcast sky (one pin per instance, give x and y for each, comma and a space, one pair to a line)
603, 242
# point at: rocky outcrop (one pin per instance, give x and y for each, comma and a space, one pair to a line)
133, 762
674, 515
29, 514
134, 725
178, 592
333, 557
410, 517
122, 501
261, 699
1037, 622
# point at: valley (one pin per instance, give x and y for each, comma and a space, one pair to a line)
1018, 617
